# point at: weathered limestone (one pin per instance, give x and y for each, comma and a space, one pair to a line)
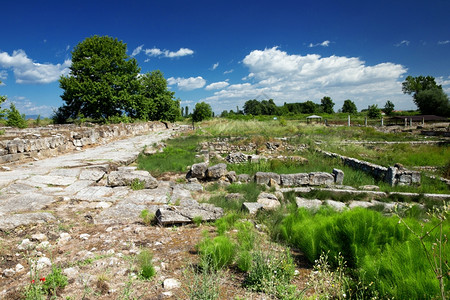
126, 178
297, 179
252, 207
170, 215
268, 201
396, 175
217, 171
56, 139
313, 204
198, 171
320, 178
264, 177
338, 176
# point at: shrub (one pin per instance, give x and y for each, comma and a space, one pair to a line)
271, 272
216, 253
201, 284
146, 269
15, 119
54, 281
226, 222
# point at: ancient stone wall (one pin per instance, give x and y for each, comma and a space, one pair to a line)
36, 143
396, 175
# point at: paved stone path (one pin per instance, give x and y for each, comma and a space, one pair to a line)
57, 187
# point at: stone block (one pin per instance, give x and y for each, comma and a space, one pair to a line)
264, 177
251, 207
198, 171
297, 179
216, 171
338, 176
311, 204
320, 178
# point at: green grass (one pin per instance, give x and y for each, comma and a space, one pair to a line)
146, 268
379, 249
388, 155
178, 154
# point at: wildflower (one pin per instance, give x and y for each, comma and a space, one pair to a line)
42, 279
32, 281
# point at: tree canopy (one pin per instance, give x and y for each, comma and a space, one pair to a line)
327, 105
104, 82
427, 95
349, 107
202, 111
388, 108
15, 119
374, 112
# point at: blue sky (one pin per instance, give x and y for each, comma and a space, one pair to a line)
227, 52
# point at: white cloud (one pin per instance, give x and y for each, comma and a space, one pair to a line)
444, 42
27, 71
217, 85
228, 71
323, 44
25, 106
164, 53
137, 50
3, 74
187, 84
297, 78
445, 83
402, 43
214, 66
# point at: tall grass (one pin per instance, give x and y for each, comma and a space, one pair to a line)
381, 251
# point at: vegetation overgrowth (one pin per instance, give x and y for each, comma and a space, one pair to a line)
382, 252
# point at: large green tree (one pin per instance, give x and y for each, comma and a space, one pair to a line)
202, 111
327, 105
349, 107
427, 95
155, 102
103, 80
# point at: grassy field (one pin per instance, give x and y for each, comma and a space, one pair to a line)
180, 152
356, 254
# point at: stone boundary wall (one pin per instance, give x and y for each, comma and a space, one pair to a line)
36, 143
226, 145
395, 175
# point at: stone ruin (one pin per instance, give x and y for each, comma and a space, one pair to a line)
36, 143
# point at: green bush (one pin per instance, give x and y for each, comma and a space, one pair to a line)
271, 272
54, 281
15, 119
226, 222
146, 269
216, 253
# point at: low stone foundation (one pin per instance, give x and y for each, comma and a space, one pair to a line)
36, 143
396, 175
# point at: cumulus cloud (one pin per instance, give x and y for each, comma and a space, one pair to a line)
444, 42
217, 85
298, 78
402, 43
323, 44
187, 84
27, 71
